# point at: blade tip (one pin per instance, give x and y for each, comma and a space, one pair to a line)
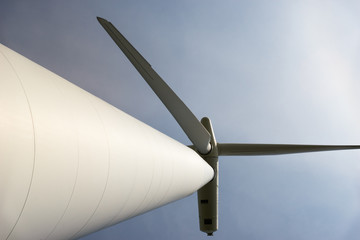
101, 20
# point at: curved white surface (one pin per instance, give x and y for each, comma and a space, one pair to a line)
16, 147
71, 164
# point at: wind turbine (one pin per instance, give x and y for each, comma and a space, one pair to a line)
201, 133
72, 164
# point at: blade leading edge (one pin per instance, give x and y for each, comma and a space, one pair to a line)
239, 149
195, 131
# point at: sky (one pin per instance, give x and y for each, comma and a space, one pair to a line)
262, 71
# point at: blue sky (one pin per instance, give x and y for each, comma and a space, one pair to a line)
264, 72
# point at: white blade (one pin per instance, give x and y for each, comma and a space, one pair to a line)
195, 131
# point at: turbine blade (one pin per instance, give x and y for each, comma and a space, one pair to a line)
239, 149
195, 131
